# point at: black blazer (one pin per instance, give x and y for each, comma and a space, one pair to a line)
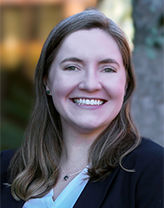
140, 189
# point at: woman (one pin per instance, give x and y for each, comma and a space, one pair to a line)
81, 147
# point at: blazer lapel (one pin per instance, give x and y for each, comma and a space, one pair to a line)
95, 192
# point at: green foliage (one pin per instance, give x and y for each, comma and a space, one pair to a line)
16, 109
11, 134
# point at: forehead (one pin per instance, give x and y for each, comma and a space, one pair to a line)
88, 43
89, 35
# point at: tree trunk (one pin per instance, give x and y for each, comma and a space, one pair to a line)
148, 59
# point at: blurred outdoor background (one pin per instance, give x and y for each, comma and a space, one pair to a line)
25, 24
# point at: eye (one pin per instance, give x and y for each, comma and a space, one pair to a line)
109, 70
71, 68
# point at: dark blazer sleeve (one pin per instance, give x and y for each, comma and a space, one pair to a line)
7, 200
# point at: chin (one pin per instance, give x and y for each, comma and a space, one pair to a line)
90, 128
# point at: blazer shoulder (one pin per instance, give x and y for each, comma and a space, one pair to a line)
5, 158
7, 199
6, 155
148, 152
149, 148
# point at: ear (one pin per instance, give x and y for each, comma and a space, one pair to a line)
47, 89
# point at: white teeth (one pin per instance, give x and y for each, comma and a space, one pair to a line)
92, 102
88, 102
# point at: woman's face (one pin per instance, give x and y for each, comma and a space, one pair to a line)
87, 81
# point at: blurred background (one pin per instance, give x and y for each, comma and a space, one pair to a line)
25, 24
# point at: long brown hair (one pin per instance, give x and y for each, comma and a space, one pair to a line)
34, 167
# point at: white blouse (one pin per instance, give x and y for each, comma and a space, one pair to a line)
67, 197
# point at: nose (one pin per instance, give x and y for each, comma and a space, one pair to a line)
90, 82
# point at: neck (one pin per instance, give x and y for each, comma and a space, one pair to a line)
76, 150
74, 157
77, 143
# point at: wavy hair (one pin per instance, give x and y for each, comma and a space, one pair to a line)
34, 167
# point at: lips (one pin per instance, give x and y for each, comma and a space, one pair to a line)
88, 101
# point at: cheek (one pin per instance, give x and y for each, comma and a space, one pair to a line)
60, 90
57, 90
57, 97
116, 88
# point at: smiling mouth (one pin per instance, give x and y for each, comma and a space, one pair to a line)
82, 101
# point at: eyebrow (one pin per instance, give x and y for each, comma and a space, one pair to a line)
110, 61
73, 59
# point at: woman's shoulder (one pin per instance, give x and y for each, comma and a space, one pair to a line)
5, 158
7, 154
146, 161
149, 148
148, 152
7, 199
